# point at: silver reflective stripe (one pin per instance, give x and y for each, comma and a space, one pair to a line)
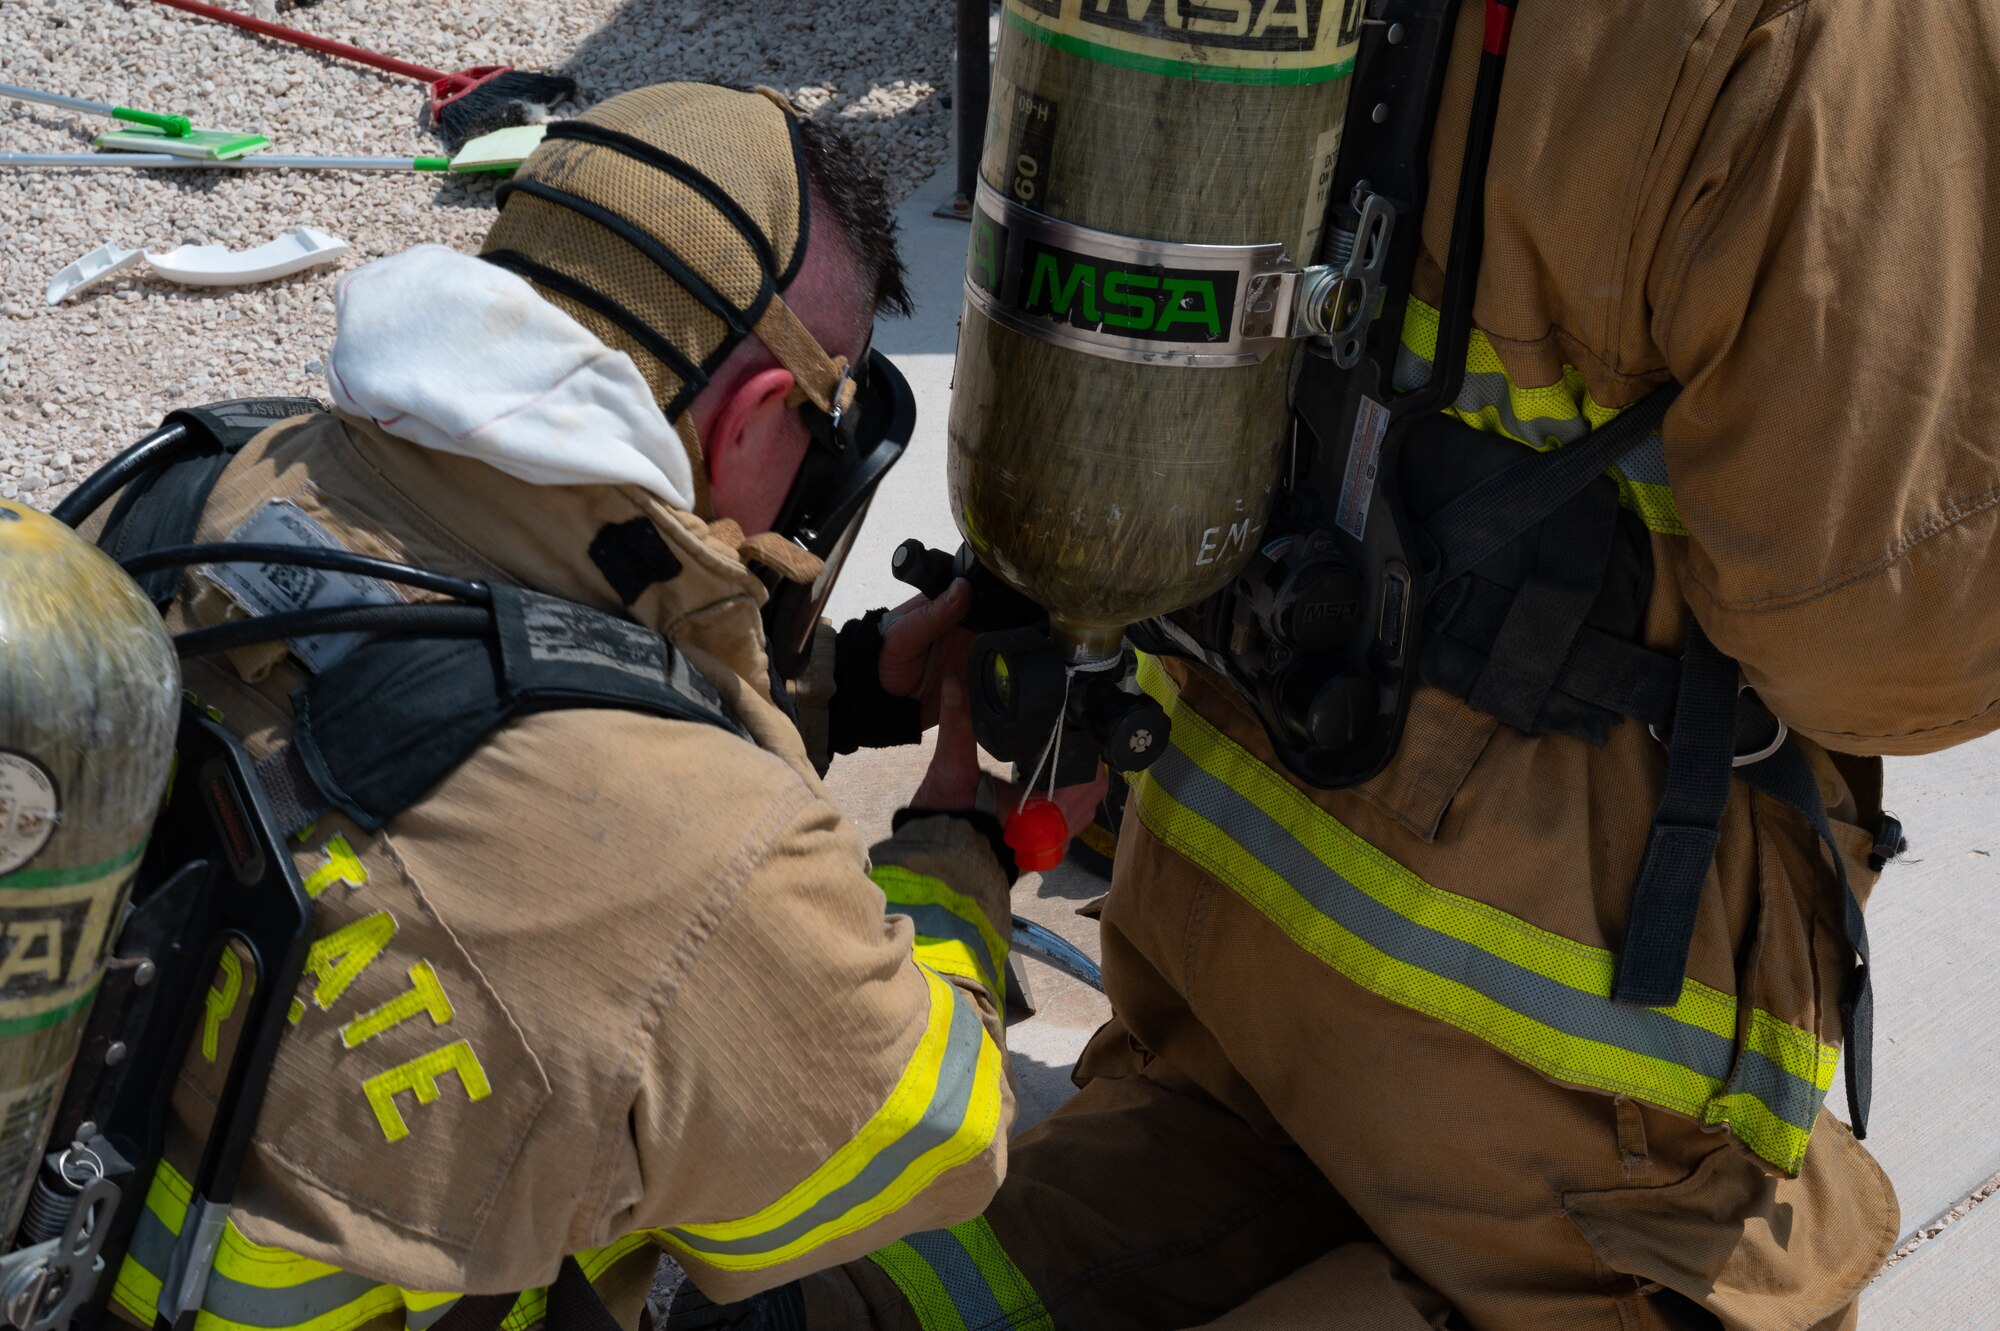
276, 1307
414, 1320
1646, 463
153, 1246
940, 1122
1571, 1011
934, 921
961, 1278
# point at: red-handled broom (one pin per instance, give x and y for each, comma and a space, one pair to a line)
463, 105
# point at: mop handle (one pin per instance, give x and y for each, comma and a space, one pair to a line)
178, 126
259, 161
265, 28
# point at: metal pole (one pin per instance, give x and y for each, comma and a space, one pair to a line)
973, 86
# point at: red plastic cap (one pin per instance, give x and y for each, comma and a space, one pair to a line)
1038, 835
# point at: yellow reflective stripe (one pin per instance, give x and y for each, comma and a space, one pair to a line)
950, 956
932, 904
928, 1297
1798, 1052
253, 1287
943, 1113
962, 1278
1010, 1288
1566, 401
1587, 969
138, 1288
137, 1291
1540, 998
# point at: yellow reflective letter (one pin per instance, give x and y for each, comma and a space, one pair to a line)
420, 1076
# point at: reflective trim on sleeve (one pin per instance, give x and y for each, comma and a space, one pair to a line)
942, 916
1542, 418
951, 956
1542, 999
961, 1279
943, 1113
255, 1288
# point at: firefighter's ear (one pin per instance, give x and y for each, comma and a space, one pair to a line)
754, 448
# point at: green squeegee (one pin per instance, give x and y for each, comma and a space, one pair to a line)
148, 132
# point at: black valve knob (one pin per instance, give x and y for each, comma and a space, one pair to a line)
995, 605
917, 565
1134, 737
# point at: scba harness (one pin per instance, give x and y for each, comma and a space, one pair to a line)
375, 730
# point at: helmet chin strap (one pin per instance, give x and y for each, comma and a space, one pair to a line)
817, 379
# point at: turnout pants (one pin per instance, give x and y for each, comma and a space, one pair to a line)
1284, 1128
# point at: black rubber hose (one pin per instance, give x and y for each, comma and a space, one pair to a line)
109, 479
308, 556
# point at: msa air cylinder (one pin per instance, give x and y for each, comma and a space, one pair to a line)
89, 702
1120, 411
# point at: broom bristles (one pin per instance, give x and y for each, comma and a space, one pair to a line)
511, 97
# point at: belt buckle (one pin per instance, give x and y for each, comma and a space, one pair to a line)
1742, 759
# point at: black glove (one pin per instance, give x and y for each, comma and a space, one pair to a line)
862, 714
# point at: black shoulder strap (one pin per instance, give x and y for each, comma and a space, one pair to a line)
162, 506
375, 732
1500, 509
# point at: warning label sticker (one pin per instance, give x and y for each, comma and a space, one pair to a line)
1233, 40
270, 589
1364, 460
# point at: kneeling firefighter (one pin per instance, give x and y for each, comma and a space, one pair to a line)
1485, 932
523, 941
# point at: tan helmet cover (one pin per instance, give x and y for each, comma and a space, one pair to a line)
667, 220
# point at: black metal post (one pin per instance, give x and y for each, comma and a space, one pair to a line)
973, 86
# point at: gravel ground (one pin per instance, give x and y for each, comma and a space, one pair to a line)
81, 380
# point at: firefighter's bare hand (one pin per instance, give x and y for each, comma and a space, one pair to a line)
1078, 803
923, 645
954, 777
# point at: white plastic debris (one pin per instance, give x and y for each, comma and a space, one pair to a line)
205, 265
102, 262
295, 251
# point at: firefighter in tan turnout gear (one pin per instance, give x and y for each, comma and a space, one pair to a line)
1369, 1066
613, 983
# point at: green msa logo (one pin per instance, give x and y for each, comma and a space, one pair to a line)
1100, 294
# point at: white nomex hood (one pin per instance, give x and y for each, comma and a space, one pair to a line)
455, 354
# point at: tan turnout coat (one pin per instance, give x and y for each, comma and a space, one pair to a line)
658, 988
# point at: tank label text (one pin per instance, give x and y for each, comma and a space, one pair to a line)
1114, 296
52, 943
1232, 40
